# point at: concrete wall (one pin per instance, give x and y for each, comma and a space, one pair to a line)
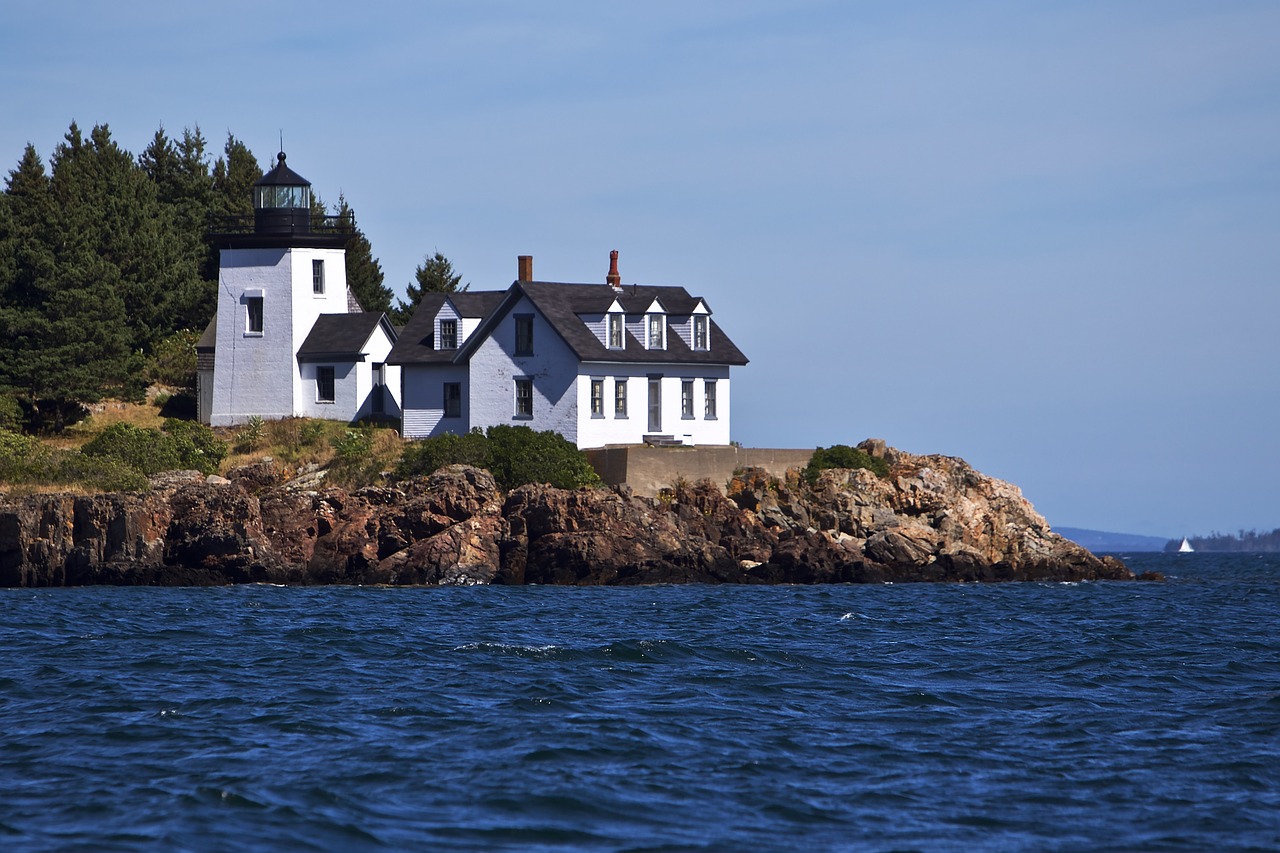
648, 469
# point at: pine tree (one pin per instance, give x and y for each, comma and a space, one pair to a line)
64, 340
364, 271
434, 275
110, 208
234, 175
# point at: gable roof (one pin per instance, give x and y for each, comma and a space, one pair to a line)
416, 344
561, 305
342, 337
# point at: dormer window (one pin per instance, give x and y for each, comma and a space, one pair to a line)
657, 336
448, 334
615, 331
700, 326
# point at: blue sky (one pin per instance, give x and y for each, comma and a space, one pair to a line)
1039, 236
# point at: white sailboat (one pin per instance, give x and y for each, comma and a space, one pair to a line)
1185, 547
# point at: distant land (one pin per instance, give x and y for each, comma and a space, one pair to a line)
1100, 540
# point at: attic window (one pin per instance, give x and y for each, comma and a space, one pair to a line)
700, 324
615, 331
448, 334
524, 334
657, 337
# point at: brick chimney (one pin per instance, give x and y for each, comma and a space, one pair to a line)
613, 279
524, 266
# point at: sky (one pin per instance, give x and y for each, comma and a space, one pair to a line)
1043, 237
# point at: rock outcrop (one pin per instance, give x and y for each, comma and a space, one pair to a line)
932, 519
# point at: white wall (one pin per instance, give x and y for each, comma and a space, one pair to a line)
423, 400
253, 374
553, 368
598, 432
308, 306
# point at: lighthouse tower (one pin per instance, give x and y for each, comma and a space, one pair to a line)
288, 339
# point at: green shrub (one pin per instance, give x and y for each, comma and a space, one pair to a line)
196, 445
309, 433
251, 434
103, 473
173, 361
145, 450
11, 415
23, 460
843, 456
182, 445
515, 455
354, 444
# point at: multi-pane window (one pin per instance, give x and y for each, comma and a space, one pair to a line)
524, 334
597, 398
615, 331
524, 397
656, 329
317, 276
448, 334
253, 306
709, 399
699, 331
620, 398
686, 398
324, 385
453, 399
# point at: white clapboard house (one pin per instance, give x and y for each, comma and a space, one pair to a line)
288, 338
600, 364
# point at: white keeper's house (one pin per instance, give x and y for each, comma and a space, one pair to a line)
289, 339
600, 364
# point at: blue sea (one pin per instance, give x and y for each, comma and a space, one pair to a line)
1039, 717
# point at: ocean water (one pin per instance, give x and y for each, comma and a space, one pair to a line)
1095, 716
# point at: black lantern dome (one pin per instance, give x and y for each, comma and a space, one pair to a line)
282, 201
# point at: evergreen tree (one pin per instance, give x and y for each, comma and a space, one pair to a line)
184, 186
434, 275
233, 178
364, 271
109, 208
64, 340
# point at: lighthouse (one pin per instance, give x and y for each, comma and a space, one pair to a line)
288, 339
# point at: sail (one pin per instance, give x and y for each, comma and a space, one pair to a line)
1185, 547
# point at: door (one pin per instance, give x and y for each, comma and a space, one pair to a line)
655, 404
379, 388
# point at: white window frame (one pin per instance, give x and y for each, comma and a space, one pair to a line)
655, 323
317, 276
524, 383
709, 399
616, 331
250, 327
701, 332
686, 399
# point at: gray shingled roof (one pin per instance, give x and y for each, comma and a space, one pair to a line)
417, 341
562, 303
342, 336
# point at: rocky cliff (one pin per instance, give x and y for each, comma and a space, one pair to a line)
933, 519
